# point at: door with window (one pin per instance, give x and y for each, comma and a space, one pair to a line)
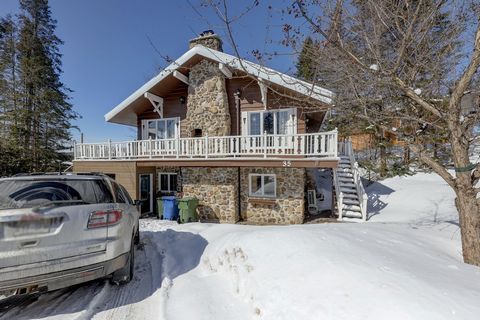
159, 129
278, 125
146, 192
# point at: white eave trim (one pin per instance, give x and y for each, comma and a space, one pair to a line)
230, 62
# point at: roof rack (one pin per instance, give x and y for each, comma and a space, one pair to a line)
60, 174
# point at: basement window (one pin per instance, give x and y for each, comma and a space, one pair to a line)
167, 182
262, 185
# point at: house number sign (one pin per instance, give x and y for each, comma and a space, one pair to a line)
287, 163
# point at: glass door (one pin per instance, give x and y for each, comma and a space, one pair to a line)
146, 192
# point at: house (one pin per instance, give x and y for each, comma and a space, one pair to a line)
242, 138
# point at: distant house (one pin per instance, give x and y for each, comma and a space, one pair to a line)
242, 138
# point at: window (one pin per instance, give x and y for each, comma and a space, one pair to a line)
160, 128
271, 122
262, 185
121, 194
32, 193
167, 182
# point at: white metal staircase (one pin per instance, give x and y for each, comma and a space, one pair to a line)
351, 198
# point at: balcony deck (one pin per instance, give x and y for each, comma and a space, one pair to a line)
220, 151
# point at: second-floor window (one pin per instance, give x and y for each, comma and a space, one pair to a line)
160, 128
271, 122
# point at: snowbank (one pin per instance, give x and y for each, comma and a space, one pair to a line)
405, 263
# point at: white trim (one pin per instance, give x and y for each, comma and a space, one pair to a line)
169, 186
263, 93
224, 69
151, 188
262, 175
156, 101
118, 115
181, 77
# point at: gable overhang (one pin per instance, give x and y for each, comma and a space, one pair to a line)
175, 74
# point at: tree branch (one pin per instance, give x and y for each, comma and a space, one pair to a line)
437, 167
464, 81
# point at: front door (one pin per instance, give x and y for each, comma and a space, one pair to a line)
146, 192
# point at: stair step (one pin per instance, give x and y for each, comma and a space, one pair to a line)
343, 180
351, 201
352, 196
345, 175
351, 208
348, 190
345, 161
347, 185
345, 158
351, 214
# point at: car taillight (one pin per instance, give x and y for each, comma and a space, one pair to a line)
100, 219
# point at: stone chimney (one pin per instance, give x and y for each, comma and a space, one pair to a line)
207, 39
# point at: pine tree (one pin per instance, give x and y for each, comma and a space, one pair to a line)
9, 149
306, 61
46, 112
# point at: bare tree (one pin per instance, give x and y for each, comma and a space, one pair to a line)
406, 61
404, 67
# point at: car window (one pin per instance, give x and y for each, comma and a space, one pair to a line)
127, 195
102, 191
119, 195
31, 193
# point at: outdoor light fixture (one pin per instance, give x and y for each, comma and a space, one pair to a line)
183, 99
238, 93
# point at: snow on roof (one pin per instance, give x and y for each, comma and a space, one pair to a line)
253, 69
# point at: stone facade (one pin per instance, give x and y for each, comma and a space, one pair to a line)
286, 208
207, 103
217, 190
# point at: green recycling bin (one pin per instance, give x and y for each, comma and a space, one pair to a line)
188, 209
159, 208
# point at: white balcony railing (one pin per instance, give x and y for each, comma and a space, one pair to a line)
322, 144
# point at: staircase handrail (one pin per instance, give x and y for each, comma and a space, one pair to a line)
362, 195
339, 195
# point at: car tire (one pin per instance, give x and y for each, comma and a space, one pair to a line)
125, 274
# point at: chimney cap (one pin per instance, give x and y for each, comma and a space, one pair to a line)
207, 33
209, 39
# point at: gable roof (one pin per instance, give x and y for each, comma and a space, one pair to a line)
123, 115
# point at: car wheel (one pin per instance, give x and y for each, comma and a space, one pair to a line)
136, 240
125, 274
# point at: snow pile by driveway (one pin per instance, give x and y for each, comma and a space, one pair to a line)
405, 263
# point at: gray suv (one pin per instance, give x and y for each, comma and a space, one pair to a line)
57, 230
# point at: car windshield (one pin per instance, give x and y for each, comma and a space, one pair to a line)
33, 193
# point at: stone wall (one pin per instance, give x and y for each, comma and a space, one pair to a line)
217, 190
211, 41
286, 208
207, 103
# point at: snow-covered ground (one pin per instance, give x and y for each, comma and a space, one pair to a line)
405, 263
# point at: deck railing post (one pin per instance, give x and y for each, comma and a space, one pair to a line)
177, 147
109, 149
206, 145
335, 142
150, 147
265, 144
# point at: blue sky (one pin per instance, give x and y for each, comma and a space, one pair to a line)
107, 54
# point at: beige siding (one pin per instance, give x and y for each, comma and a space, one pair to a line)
125, 172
